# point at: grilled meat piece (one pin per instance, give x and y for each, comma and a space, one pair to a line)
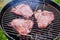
44, 18
23, 10
22, 26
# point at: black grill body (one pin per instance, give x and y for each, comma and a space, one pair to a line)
49, 33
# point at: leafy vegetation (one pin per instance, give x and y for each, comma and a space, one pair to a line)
57, 1
2, 36
3, 3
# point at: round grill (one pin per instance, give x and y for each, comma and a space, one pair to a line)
49, 33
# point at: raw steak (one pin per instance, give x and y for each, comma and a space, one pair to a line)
44, 18
23, 9
22, 26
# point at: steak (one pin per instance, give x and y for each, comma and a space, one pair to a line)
44, 18
23, 9
22, 26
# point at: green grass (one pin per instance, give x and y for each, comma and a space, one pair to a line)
57, 2
58, 38
2, 36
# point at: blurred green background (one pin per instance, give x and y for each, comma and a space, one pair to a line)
3, 3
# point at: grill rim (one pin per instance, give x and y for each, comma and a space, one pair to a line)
5, 31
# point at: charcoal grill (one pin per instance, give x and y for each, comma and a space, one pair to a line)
49, 33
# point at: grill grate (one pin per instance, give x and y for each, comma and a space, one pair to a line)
51, 32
